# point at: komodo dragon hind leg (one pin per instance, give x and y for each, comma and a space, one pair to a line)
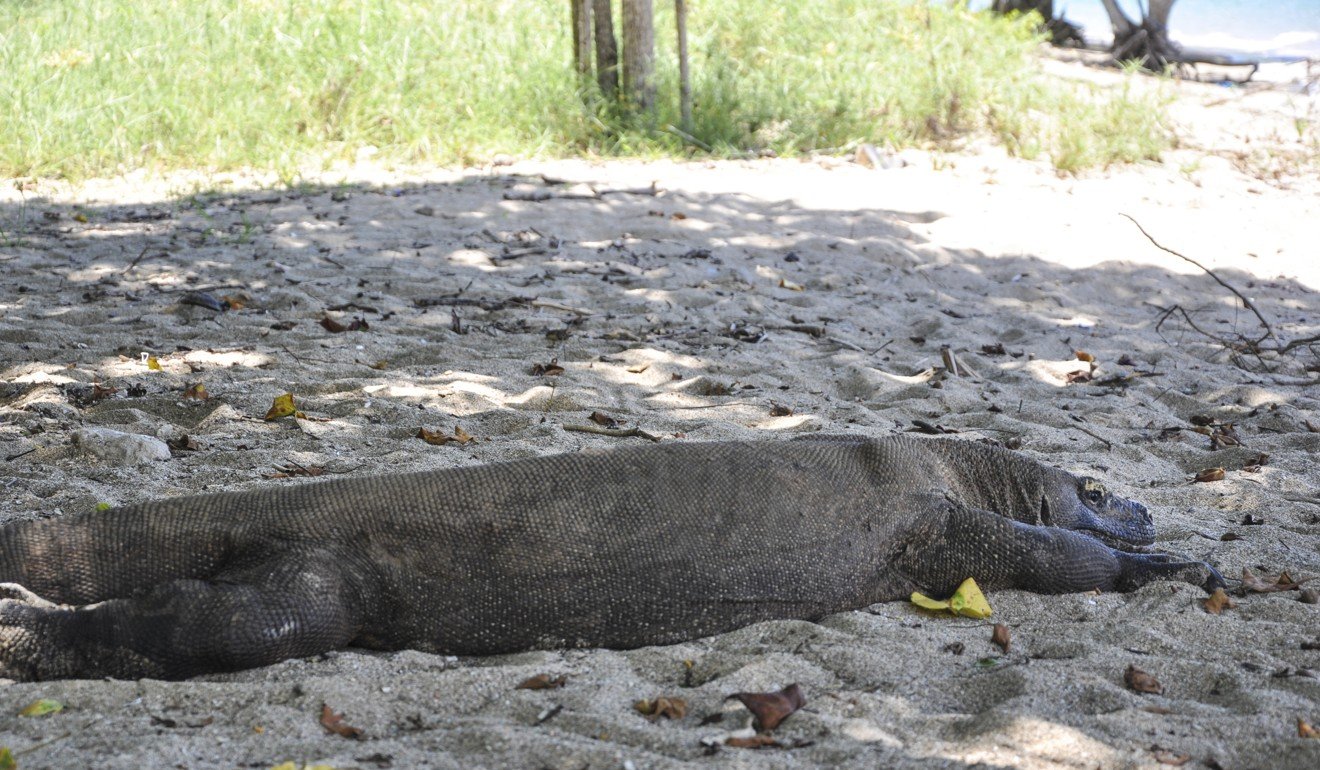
951, 542
292, 603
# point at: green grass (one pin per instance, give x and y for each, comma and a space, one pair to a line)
97, 87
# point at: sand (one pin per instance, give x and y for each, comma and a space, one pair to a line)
759, 299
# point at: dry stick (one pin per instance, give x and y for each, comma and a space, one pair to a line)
1269, 330
626, 433
1108, 444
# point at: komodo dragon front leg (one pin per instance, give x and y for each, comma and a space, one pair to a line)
953, 542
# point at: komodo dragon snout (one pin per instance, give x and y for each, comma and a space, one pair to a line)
631, 547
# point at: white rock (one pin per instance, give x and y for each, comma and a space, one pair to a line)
119, 448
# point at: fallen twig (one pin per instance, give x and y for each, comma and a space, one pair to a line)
1246, 301
613, 432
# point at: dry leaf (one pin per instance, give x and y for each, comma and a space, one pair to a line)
196, 392
552, 369
638, 368
784, 283
100, 393
234, 301
1267, 584
1218, 602
1140, 681
294, 469
1306, 730
184, 443
1168, 757
770, 708
333, 326
779, 410
543, 682
281, 407
334, 723
437, 438
1082, 355
600, 418
1078, 376
1210, 474
669, 708
1000, 636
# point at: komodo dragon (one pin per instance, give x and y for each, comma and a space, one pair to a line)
624, 548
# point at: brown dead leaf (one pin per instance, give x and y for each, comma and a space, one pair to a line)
1267, 584
196, 392
436, 438
1082, 355
1140, 681
1000, 636
1256, 463
335, 327
234, 301
1075, 377
600, 418
334, 723
543, 682
1210, 474
282, 406
1170, 757
1306, 730
770, 708
1218, 602
552, 369
100, 392
779, 410
669, 708
639, 368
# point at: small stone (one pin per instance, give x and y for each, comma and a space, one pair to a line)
118, 448
1309, 596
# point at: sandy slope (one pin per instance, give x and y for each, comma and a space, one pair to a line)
965, 251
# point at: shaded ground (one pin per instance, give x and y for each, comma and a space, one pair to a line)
744, 300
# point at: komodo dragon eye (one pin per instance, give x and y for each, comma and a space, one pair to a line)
1093, 491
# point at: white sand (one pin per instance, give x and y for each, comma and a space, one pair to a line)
963, 250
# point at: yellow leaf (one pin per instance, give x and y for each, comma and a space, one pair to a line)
7, 761
41, 707
967, 601
925, 602
282, 406
784, 283
153, 363
103, 506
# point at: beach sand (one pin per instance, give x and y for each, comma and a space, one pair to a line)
743, 300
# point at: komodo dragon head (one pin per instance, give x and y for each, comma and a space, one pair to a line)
1087, 506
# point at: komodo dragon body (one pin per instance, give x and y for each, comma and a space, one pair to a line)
624, 548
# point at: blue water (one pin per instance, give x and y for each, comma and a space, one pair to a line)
1244, 28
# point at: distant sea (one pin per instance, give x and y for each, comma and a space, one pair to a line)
1245, 29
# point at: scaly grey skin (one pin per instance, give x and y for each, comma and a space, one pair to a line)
625, 548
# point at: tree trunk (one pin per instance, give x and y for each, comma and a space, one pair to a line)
1146, 42
684, 76
607, 51
582, 36
1061, 32
639, 56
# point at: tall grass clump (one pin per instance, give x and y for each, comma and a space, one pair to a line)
95, 87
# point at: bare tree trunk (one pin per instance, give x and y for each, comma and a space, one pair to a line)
582, 36
639, 56
684, 76
1062, 32
607, 52
1148, 41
